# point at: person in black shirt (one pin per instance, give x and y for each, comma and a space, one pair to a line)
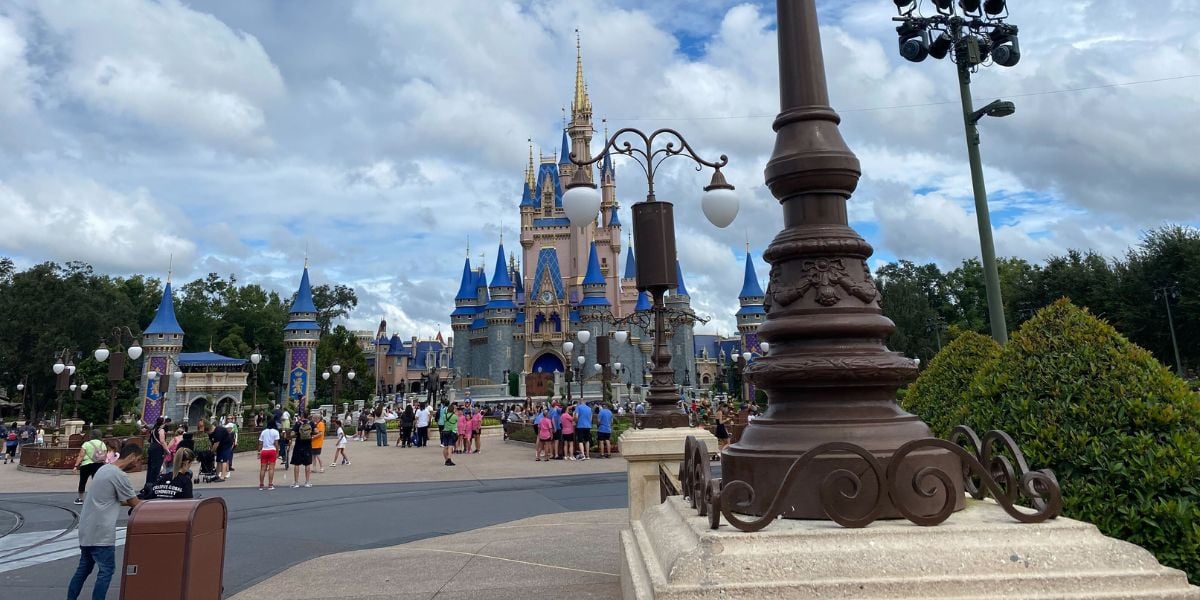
176, 485
222, 447
302, 432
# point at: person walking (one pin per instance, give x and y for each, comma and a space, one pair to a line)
231, 425
268, 453
441, 419
11, 438
221, 442
318, 442
583, 430
340, 450
407, 420
604, 420
423, 426
449, 427
89, 460
156, 451
98, 522
566, 423
302, 431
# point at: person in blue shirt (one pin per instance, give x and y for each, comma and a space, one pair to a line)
557, 445
583, 430
604, 430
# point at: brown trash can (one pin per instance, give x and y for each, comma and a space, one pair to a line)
175, 549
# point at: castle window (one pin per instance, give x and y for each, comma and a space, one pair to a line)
538, 321
554, 318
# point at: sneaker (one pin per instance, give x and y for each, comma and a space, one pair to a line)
295, 485
573, 458
321, 471
307, 484
476, 452
79, 501
270, 487
449, 463
261, 488
330, 466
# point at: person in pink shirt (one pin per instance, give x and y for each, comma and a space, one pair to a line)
477, 428
545, 439
567, 422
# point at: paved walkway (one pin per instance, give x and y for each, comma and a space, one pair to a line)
568, 555
370, 464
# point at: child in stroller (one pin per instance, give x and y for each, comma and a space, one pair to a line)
208, 466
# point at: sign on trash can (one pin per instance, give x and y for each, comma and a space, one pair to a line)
175, 549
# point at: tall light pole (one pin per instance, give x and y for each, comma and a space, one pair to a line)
654, 232
116, 367
970, 32
1167, 293
21, 388
255, 358
569, 368
63, 368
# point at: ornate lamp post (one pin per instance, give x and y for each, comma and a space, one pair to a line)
829, 377
567, 347
969, 33
77, 392
255, 358
116, 367
21, 388
1168, 293
64, 368
654, 232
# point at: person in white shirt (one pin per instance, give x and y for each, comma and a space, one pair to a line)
268, 453
422, 425
340, 450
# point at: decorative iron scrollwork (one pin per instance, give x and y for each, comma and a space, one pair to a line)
984, 472
662, 421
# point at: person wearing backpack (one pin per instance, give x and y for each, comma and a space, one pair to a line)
91, 457
302, 432
10, 443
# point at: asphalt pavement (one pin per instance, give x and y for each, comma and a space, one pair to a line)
270, 531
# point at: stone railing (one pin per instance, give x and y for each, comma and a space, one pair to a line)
60, 459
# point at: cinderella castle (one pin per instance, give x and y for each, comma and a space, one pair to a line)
569, 279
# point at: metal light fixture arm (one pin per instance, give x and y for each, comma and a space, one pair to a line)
648, 157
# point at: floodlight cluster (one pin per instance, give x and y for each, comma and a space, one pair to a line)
970, 32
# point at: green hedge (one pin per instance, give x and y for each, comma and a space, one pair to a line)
1120, 431
940, 396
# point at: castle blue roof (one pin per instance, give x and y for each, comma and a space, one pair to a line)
644, 302
564, 157
705, 341
517, 283
548, 264
606, 166
594, 275
466, 289
164, 318
630, 265
300, 325
500, 304
615, 221
548, 175
419, 353
528, 198
396, 346
751, 309
680, 288
574, 316
551, 222
304, 301
479, 323
521, 318
501, 278
600, 300
463, 310
480, 279
750, 287
208, 359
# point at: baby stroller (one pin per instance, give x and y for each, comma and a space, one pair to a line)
208, 466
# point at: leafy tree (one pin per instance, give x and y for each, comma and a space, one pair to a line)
334, 302
341, 347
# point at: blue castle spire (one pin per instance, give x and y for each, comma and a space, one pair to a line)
630, 265
615, 221
164, 319
594, 275
750, 286
565, 156
680, 289
644, 302
304, 300
527, 196
466, 289
501, 278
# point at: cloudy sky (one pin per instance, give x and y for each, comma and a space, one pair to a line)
377, 135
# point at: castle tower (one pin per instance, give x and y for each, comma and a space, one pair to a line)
501, 316
464, 314
752, 313
162, 342
629, 292
529, 202
580, 128
301, 336
682, 343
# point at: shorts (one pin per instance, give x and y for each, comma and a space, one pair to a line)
449, 438
268, 456
224, 456
603, 436
11, 449
722, 432
583, 434
558, 435
301, 456
316, 451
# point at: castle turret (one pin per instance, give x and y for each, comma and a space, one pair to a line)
683, 354
301, 336
464, 312
751, 298
162, 342
629, 292
501, 315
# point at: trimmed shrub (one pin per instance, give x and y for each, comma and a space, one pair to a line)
1120, 431
941, 395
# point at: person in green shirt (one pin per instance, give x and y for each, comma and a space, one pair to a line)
449, 432
89, 460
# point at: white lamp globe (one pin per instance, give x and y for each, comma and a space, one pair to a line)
336, 368
59, 367
83, 387
101, 354
255, 358
73, 386
583, 336
616, 366
325, 375
20, 386
596, 367
177, 375
582, 204
766, 347
135, 352
719, 202
746, 356
581, 359
351, 374
917, 361
71, 368
568, 347
621, 336
152, 375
